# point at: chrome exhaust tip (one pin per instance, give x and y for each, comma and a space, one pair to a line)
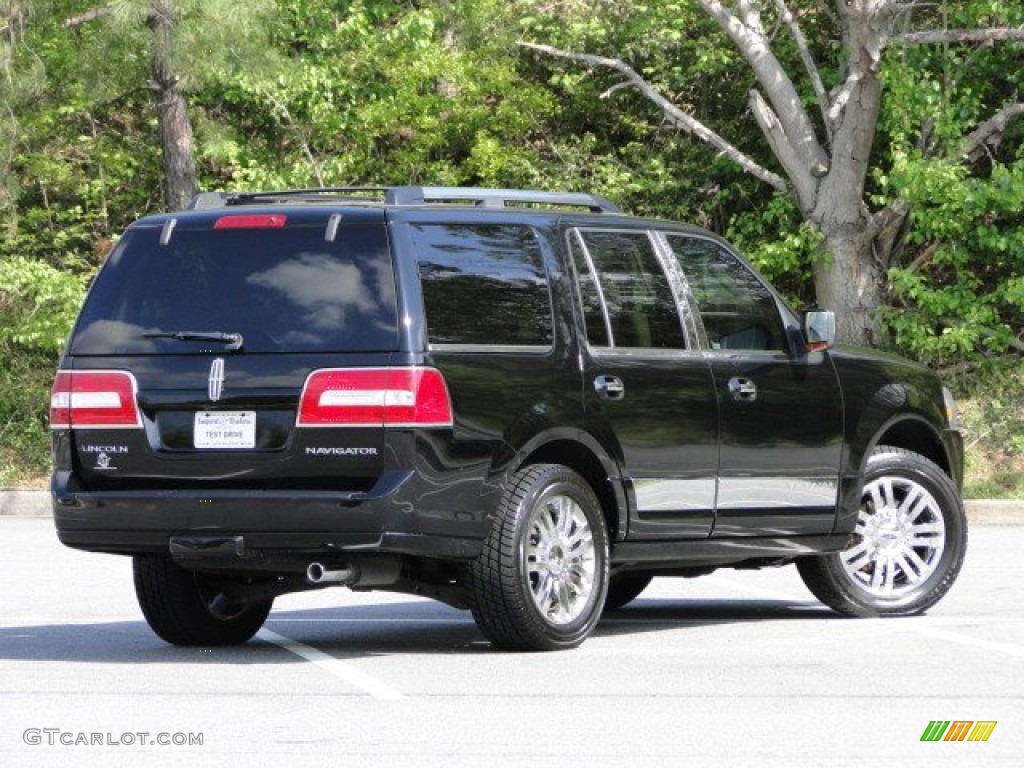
318, 573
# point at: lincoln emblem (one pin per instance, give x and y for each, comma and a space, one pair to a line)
216, 383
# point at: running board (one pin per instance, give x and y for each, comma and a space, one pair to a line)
726, 551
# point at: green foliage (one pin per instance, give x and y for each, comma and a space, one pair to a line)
962, 293
991, 411
382, 93
781, 245
617, 142
955, 284
37, 304
25, 380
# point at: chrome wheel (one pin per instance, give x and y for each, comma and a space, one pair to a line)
902, 538
560, 560
911, 537
541, 579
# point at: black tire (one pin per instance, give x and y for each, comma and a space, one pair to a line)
624, 588
185, 608
523, 567
913, 538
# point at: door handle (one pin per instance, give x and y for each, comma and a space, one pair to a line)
610, 387
742, 390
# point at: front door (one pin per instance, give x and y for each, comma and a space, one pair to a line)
780, 406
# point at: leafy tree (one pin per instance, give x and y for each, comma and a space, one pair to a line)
822, 138
957, 260
186, 40
37, 305
380, 92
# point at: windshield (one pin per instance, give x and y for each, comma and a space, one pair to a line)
282, 290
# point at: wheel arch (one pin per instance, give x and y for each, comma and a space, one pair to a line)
911, 434
584, 456
907, 430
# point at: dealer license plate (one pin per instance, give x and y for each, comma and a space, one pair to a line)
225, 429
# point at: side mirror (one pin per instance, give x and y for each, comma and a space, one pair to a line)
819, 330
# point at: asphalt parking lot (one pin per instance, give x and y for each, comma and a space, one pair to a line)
735, 668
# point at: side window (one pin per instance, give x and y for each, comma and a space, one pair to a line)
737, 310
483, 285
593, 308
630, 300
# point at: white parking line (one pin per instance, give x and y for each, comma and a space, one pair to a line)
918, 627
340, 669
988, 645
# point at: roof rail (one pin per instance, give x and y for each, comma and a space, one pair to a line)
497, 198
206, 200
489, 198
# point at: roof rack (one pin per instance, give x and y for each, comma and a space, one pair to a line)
488, 198
497, 198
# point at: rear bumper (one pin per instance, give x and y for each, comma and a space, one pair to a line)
393, 517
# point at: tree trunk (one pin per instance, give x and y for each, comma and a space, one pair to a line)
176, 140
851, 284
849, 280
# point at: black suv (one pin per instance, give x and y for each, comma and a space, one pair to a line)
522, 403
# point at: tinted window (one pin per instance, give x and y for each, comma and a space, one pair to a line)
738, 310
640, 307
483, 285
593, 308
284, 290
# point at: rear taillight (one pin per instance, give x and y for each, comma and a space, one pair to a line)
375, 397
94, 399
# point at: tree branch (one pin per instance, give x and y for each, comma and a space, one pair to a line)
85, 18
770, 125
933, 36
674, 114
778, 88
989, 132
284, 116
924, 257
751, 15
808, 61
890, 216
896, 9
842, 97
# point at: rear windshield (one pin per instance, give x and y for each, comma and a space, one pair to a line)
283, 290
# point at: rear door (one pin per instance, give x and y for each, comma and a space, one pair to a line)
648, 390
220, 318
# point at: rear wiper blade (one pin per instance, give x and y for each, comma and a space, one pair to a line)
233, 340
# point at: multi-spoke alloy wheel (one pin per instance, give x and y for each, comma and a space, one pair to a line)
559, 559
541, 580
902, 537
911, 536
